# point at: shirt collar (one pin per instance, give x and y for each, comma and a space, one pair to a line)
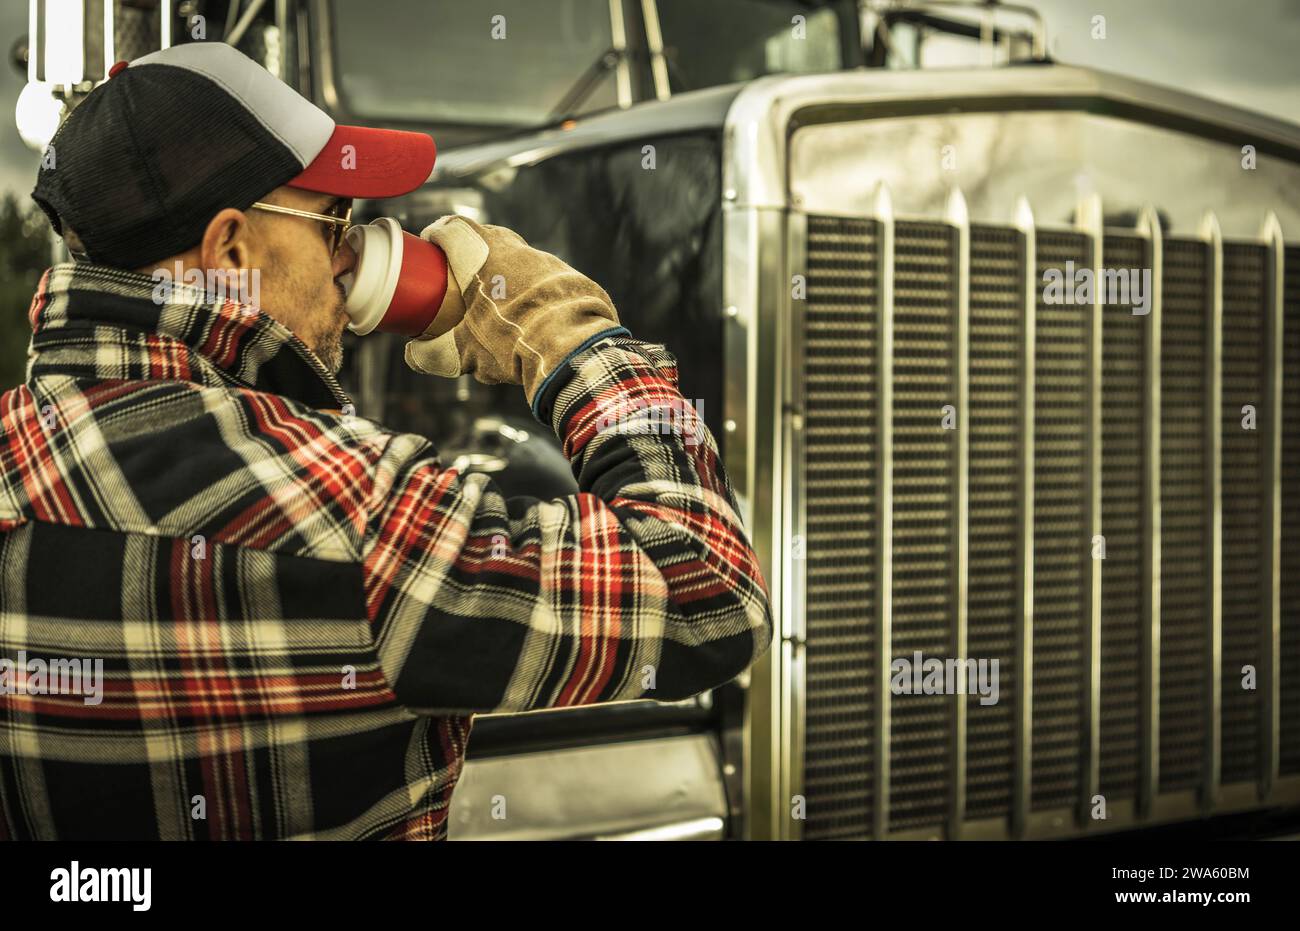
101, 323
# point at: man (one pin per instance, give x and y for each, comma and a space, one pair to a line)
232, 608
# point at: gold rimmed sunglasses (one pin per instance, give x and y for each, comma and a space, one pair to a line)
338, 220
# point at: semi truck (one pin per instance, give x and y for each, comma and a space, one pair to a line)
886, 242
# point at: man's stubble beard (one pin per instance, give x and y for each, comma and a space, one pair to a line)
331, 353
330, 350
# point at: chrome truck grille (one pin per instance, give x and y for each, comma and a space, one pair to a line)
1119, 677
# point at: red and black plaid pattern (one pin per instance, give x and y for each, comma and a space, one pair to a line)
297, 611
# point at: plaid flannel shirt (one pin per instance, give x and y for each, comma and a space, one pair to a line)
297, 611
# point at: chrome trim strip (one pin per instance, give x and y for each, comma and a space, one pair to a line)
1270, 742
622, 73
794, 697
794, 522
883, 212
302, 51
324, 49
288, 40
751, 450
957, 216
776, 100
1024, 728
1210, 234
654, 38
794, 517
1149, 726
1089, 221
695, 829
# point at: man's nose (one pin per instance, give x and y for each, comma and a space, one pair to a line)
344, 259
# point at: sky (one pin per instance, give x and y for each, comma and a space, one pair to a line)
1244, 52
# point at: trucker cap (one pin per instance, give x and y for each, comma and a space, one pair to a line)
140, 167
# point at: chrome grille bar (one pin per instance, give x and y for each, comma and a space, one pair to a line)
1089, 221
1209, 232
883, 212
958, 217
1024, 736
1148, 785
1271, 634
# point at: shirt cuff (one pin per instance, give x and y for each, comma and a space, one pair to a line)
560, 376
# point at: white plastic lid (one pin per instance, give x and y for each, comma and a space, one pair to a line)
370, 285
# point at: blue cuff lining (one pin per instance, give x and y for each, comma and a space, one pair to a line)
549, 381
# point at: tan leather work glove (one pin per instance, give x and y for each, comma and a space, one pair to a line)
512, 313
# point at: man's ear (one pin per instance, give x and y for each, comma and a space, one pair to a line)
226, 241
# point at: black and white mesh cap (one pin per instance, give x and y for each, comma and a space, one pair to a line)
141, 166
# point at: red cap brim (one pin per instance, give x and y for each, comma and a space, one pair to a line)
380, 163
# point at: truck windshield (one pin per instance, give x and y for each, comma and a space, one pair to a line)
510, 62
724, 41
525, 62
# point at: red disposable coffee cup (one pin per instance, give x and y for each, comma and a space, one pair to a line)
398, 282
